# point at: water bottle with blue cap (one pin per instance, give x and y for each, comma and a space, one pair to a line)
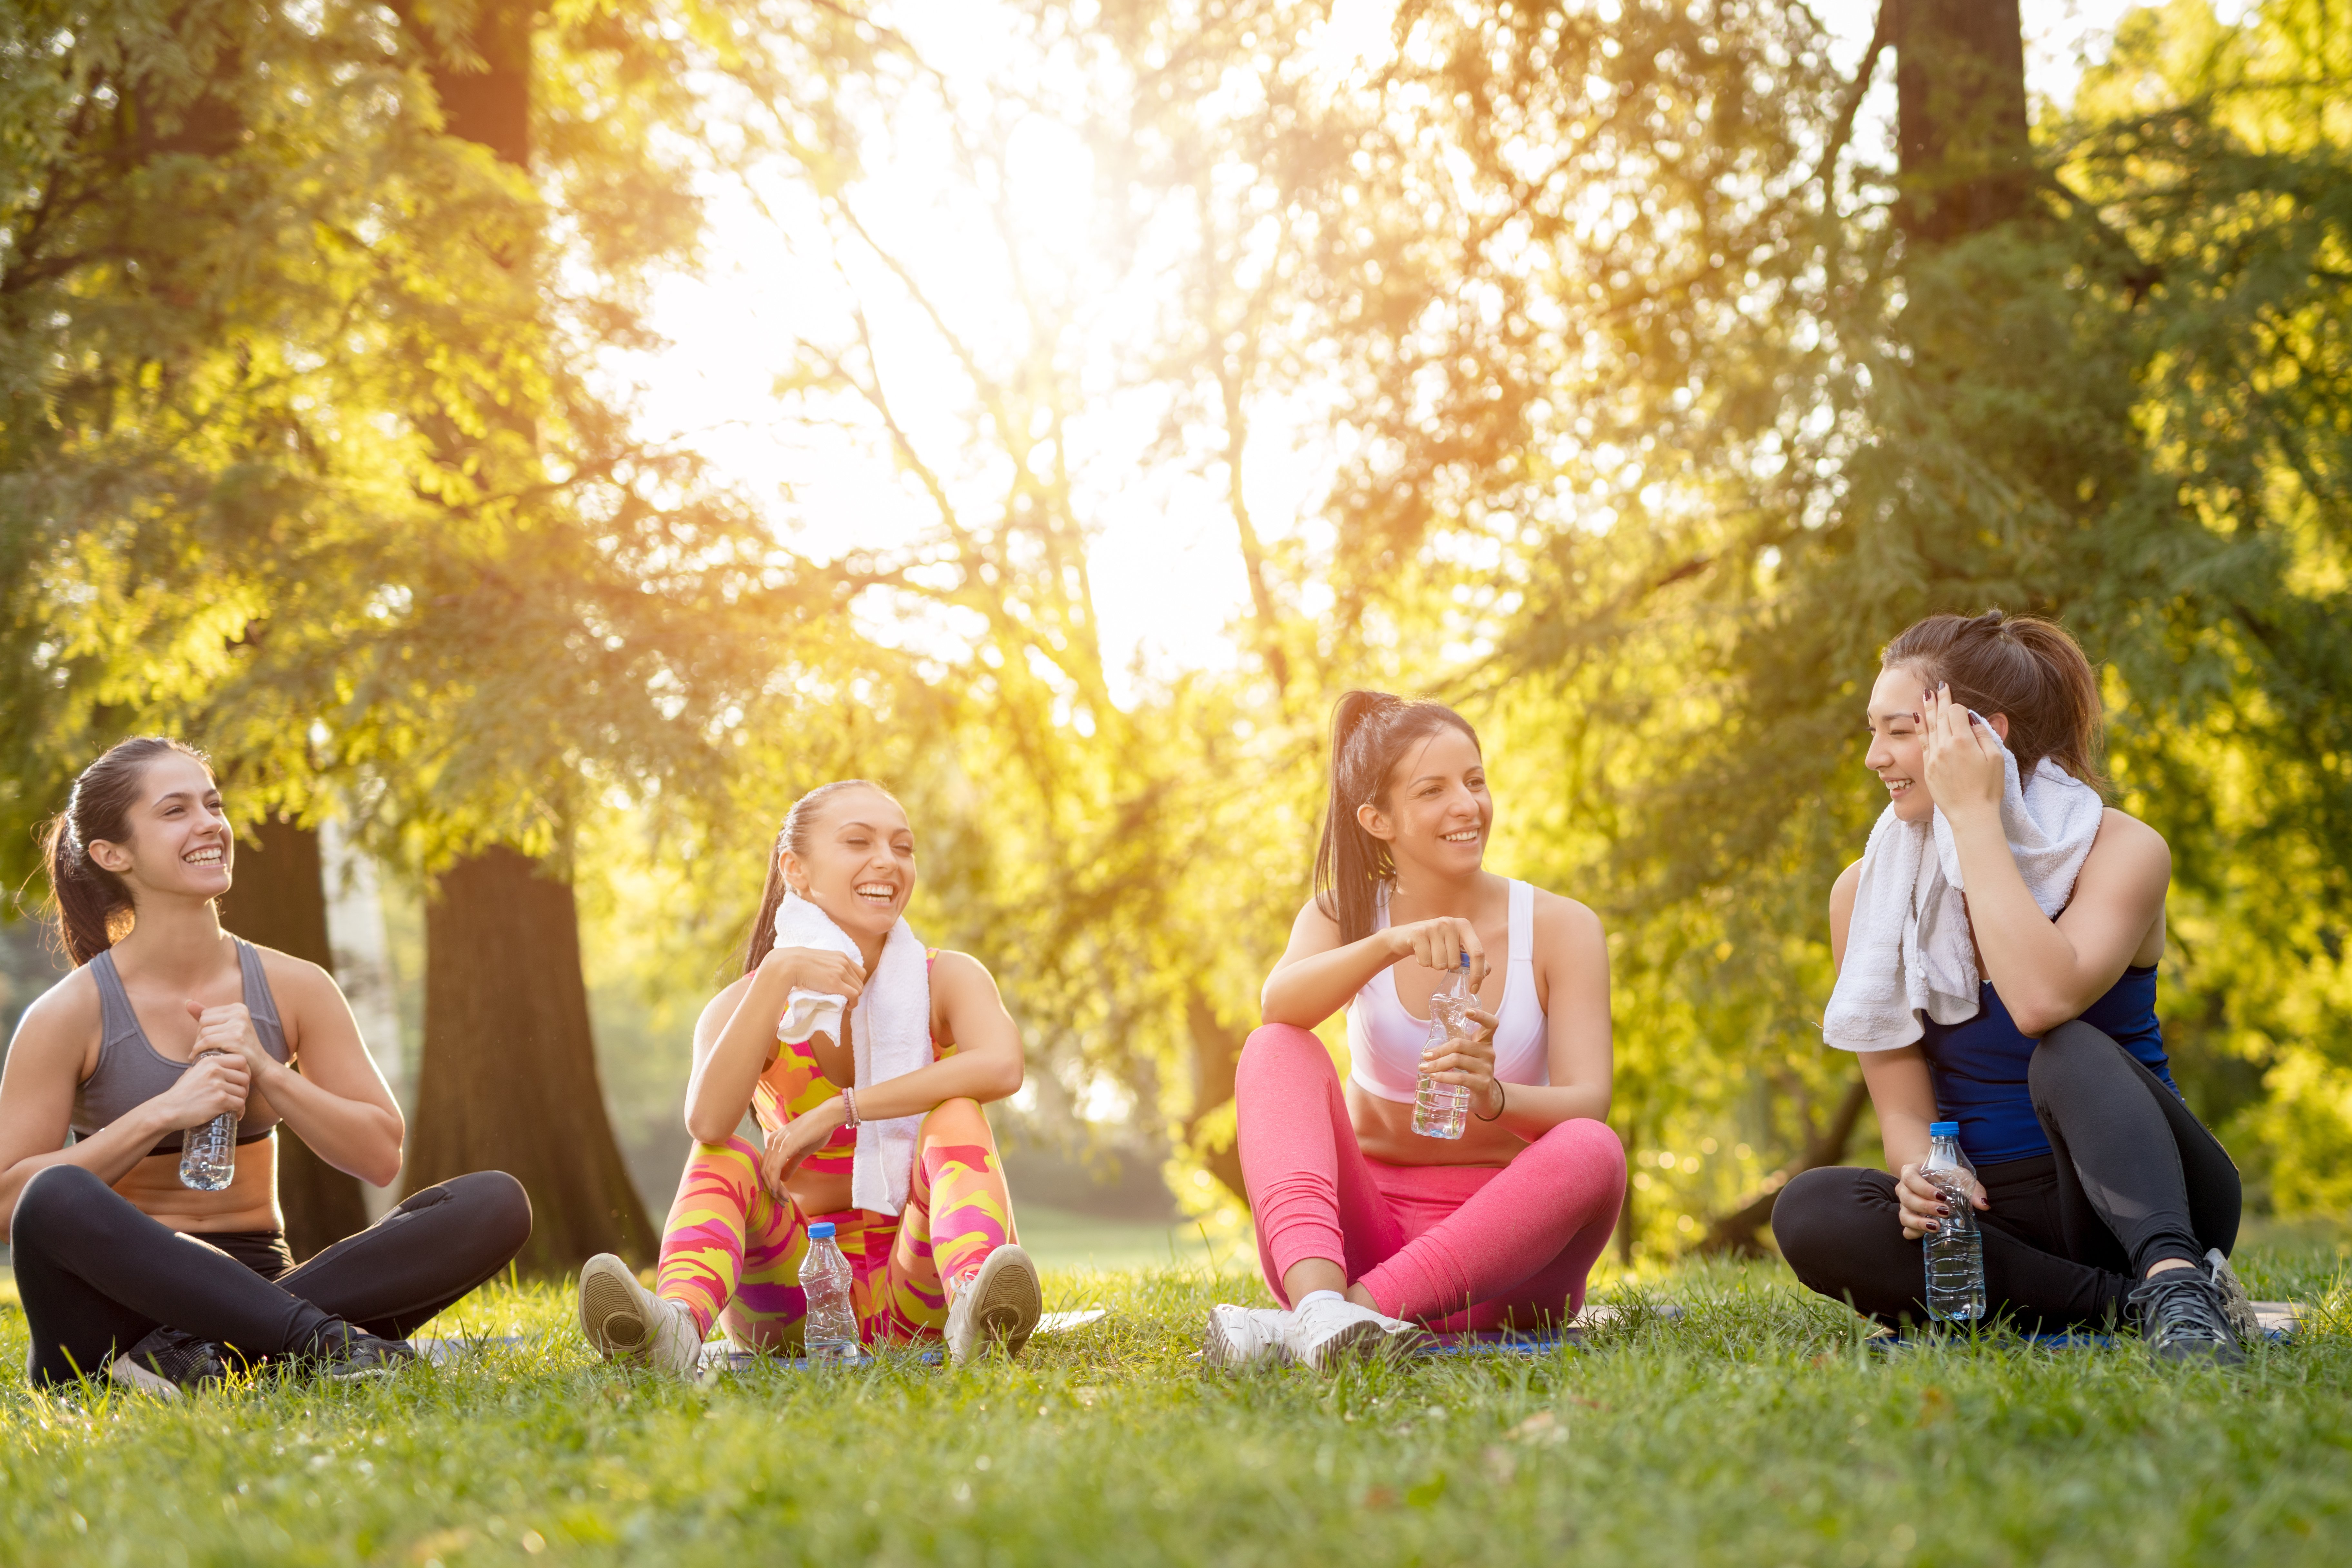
1954, 1248
831, 1332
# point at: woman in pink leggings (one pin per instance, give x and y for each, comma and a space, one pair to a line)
1366, 1229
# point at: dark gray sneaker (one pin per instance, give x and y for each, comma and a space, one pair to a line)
2183, 1317
2236, 1305
347, 1355
167, 1362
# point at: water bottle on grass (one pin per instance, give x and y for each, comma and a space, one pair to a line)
1954, 1248
208, 1153
1440, 1109
831, 1335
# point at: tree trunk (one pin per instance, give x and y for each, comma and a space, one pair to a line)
1216, 1052
508, 1079
279, 900
1959, 84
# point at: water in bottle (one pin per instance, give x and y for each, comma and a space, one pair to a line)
1441, 1110
832, 1331
1954, 1248
208, 1153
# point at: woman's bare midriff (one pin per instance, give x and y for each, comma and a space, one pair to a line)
250, 1201
818, 1193
1384, 1132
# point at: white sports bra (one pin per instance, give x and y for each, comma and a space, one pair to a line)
1385, 1042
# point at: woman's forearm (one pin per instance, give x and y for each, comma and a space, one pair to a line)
109, 1154
356, 1136
1533, 1109
984, 1076
2026, 957
1305, 992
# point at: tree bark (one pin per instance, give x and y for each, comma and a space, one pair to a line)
1216, 1052
508, 1079
507, 1076
1735, 1233
1959, 122
279, 900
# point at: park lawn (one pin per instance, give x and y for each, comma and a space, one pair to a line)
1756, 1429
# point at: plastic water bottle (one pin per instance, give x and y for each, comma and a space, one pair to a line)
208, 1153
1954, 1248
831, 1335
1443, 1109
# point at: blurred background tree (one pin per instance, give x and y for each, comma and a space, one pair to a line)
1626, 371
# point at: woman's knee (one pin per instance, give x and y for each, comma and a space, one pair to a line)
55, 1203
959, 1120
1589, 1144
1277, 1049
1816, 1212
500, 1208
2071, 1057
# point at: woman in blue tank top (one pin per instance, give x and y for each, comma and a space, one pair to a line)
2102, 1200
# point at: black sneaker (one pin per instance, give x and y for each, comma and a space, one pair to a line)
2183, 1317
167, 1362
344, 1354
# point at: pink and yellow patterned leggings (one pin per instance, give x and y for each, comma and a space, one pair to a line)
731, 1254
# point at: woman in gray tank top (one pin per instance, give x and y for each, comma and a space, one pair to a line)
167, 1022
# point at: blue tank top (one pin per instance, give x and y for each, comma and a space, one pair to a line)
1978, 1066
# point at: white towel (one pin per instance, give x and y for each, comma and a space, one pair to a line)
890, 1036
1908, 949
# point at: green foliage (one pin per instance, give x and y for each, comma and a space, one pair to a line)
1756, 1428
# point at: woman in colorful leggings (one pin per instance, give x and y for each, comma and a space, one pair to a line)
1365, 1228
894, 1154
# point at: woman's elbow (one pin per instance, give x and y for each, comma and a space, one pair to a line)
706, 1129
1006, 1081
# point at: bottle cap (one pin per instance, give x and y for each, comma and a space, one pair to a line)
1942, 1129
1466, 960
821, 1231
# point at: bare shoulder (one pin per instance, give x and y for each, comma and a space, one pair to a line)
721, 1007
292, 978
1842, 890
960, 972
1562, 924
62, 1022
2127, 846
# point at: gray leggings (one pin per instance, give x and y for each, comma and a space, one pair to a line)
2133, 1178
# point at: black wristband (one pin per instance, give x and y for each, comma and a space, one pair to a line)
1502, 1103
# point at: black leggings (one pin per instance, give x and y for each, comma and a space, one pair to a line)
96, 1276
2133, 1179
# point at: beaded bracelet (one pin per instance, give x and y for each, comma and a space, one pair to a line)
849, 1103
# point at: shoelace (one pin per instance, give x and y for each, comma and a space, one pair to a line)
2180, 1304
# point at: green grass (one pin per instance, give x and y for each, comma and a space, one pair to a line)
1757, 1429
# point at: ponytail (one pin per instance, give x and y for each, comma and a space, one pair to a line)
93, 906
800, 826
2024, 667
1369, 731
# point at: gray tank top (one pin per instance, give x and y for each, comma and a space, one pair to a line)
131, 1072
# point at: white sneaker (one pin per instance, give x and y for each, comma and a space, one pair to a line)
1331, 1331
626, 1321
2236, 1305
1242, 1337
999, 1302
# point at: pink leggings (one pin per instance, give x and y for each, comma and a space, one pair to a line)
1456, 1246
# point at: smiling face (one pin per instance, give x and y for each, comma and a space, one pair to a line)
176, 840
860, 864
1435, 814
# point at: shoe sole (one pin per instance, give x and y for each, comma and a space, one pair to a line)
131, 1375
1006, 1302
1356, 1341
605, 1301
1219, 1351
